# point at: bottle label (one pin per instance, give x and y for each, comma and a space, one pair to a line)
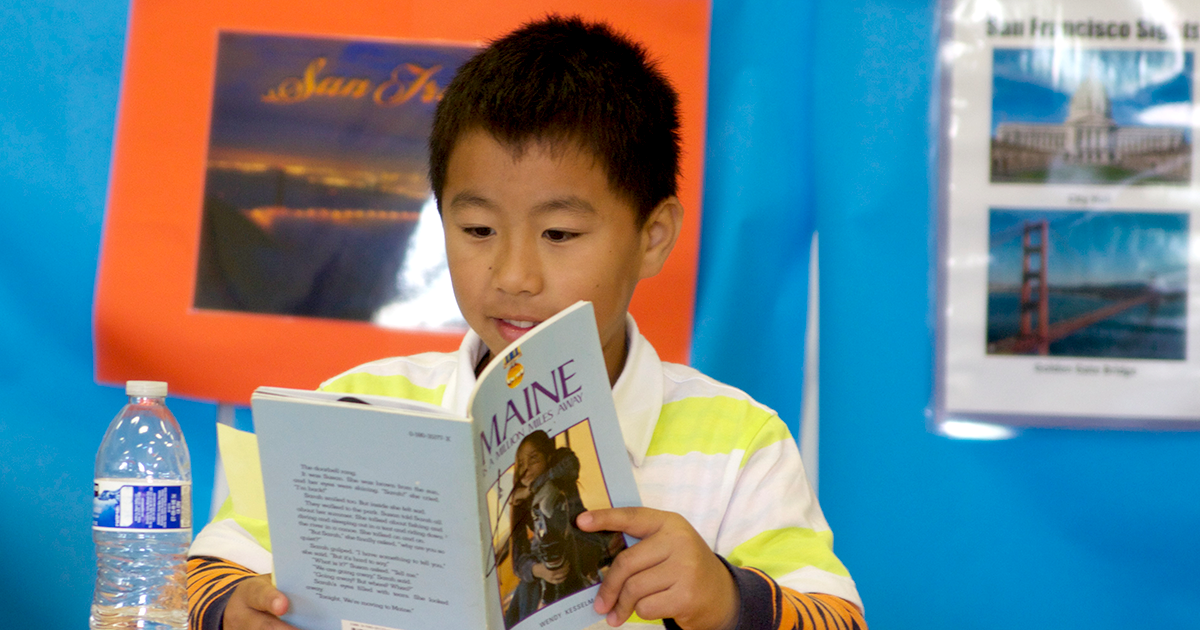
141, 504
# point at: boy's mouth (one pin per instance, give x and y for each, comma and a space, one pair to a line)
512, 329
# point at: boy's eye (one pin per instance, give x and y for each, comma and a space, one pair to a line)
479, 231
559, 236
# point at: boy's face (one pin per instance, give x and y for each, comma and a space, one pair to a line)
527, 237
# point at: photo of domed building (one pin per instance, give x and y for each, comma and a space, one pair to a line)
1090, 144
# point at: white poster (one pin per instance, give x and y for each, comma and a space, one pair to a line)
1068, 209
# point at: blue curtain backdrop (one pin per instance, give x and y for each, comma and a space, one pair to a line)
758, 202
60, 67
818, 116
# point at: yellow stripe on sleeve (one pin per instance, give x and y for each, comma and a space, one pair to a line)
246, 504
778, 552
376, 385
715, 425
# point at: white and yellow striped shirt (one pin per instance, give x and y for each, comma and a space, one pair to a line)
702, 449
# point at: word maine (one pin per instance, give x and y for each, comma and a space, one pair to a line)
536, 403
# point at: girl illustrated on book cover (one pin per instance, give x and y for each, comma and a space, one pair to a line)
541, 555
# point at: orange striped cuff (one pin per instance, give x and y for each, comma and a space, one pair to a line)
210, 582
768, 606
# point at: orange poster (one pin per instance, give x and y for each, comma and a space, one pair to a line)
269, 218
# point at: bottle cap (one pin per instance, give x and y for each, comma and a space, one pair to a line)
148, 389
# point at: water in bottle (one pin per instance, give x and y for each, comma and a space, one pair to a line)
142, 516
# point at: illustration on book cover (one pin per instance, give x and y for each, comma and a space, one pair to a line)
540, 555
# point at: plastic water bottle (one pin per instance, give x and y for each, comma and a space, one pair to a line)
142, 516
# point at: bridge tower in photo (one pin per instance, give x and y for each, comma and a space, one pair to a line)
1033, 280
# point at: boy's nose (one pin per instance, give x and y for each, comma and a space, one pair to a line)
518, 268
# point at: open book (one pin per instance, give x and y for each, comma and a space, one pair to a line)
397, 515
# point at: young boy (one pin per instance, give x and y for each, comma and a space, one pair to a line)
554, 158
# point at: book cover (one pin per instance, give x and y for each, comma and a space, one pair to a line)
392, 514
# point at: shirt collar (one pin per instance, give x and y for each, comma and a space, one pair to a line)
458, 391
638, 393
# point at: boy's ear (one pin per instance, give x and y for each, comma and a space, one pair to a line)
659, 234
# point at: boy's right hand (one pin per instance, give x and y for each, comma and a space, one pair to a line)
256, 605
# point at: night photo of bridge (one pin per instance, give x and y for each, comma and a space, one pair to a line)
1087, 284
316, 198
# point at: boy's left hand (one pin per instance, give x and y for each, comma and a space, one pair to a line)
670, 572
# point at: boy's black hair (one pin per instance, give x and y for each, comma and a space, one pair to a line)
564, 80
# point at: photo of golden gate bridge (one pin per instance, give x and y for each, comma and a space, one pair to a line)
1087, 284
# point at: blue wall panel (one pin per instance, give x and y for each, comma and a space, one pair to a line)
1055, 528
758, 211
60, 66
